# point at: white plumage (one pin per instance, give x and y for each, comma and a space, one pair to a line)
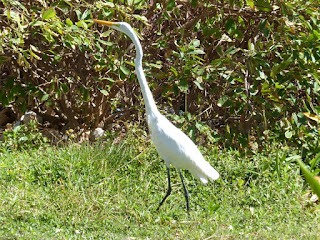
171, 143
177, 149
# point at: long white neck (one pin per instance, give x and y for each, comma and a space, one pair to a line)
146, 92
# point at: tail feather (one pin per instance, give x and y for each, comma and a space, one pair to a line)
206, 172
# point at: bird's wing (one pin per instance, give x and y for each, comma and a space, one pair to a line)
177, 148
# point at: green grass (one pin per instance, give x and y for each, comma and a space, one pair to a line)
111, 191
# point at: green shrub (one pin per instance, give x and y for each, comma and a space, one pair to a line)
23, 137
245, 69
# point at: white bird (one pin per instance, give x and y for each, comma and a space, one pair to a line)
171, 143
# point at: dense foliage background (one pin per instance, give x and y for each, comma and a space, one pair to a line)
241, 78
241, 73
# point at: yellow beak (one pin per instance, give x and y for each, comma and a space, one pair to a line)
104, 22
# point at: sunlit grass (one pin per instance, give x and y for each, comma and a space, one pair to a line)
111, 191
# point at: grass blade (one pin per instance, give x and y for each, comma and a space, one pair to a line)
315, 186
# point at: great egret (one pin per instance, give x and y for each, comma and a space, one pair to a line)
172, 144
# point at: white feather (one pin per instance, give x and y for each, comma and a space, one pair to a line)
172, 144
177, 149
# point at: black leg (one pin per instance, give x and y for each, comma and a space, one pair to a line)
186, 193
169, 189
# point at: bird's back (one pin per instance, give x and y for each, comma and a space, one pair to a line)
176, 148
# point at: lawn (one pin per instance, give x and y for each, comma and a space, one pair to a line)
111, 191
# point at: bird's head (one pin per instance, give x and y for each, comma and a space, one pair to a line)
128, 30
120, 26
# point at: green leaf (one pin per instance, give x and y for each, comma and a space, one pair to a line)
86, 14
171, 4
275, 70
50, 13
263, 5
198, 85
34, 55
232, 50
129, 63
174, 71
125, 70
222, 101
105, 42
86, 94
230, 26
82, 24
108, 4
238, 34
250, 45
106, 33
104, 92
195, 43
45, 97
279, 86
273, 47
315, 161
65, 87
315, 185
69, 22
33, 48
251, 3
37, 23
183, 84
141, 18
158, 66
194, 3
196, 52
